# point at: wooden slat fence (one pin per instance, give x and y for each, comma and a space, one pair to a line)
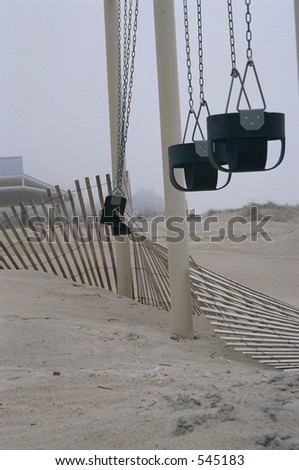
256, 324
61, 235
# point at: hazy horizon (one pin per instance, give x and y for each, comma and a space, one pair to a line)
53, 91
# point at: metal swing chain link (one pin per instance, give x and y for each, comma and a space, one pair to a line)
132, 67
249, 54
125, 90
119, 108
202, 100
189, 70
248, 32
128, 81
188, 57
200, 54
119, 169
235, 72
126, 61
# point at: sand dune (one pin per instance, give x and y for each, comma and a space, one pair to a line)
82, 368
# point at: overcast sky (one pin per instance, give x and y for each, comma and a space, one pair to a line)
53, 92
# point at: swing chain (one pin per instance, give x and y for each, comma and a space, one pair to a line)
132, 66
234, 72
200, 54
119, 81
188, 57
248, 32
203, 102
121, 96
125, 84
250, 62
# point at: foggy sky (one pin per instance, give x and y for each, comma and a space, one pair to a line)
54, 104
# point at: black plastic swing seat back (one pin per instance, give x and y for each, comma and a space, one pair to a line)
112, 214
199, 174
241, 139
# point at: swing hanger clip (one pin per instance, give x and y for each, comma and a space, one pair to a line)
204, 104
252, 119
235, 73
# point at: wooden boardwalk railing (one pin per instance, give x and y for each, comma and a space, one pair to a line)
61, 235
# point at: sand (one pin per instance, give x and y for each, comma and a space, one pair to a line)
82, 368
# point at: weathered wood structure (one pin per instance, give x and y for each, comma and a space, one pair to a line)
62, 236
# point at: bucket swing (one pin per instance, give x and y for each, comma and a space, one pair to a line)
113, 214
192, 157
242, 138
115, 204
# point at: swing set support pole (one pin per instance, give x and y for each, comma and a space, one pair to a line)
175, 203
122, 246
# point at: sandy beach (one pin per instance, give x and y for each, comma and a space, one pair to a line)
83, 368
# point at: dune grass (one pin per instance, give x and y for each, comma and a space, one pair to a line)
279, 213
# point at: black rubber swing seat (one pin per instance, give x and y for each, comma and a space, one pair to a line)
112, 214
199, 174
242, 143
